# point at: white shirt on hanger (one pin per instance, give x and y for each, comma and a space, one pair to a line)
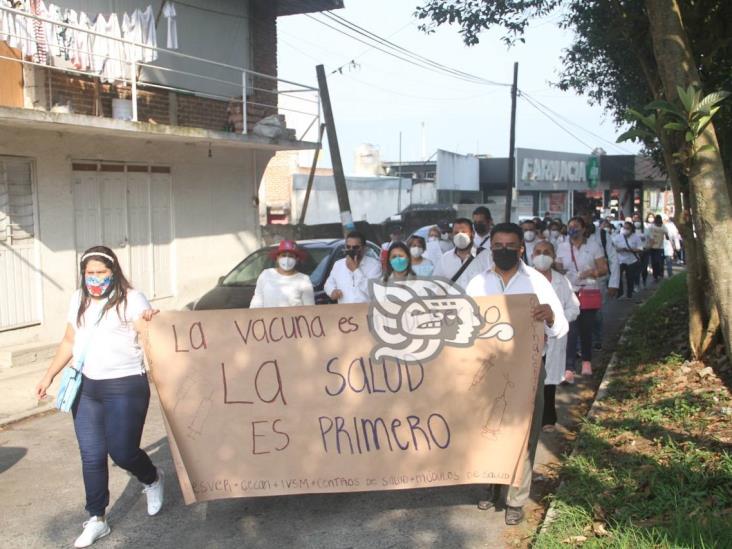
169, 14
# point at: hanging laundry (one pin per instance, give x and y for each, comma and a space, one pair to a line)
38, 8
7, 25
149, 35
132, 31
99, 44
169, 14
25, 30
115, 66
52, 31
81, 41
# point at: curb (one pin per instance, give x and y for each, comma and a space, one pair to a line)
593, 411
26, 414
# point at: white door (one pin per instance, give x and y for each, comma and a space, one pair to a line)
127, 208
19, 266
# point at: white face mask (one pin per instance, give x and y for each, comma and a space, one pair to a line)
543, 262
529, 236
626, 232
546, 233
432, 239
286, 263
637, 224
416, 251
461, 241
554, 234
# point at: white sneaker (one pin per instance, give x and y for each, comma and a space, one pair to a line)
154, 493
94, 528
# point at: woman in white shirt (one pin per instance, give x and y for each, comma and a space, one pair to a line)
105, 317
629, 247
543, 258
420, 265
583, 261
283, 286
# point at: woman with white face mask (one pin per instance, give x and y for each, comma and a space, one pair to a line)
543, 259
282, 285
420, 265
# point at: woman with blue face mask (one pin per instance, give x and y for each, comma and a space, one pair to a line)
399, 263
105, 318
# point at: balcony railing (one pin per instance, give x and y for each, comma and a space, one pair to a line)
197, 92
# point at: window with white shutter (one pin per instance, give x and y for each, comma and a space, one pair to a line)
19, 272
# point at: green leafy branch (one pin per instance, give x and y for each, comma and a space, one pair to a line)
690, 119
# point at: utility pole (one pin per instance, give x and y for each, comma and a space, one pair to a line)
335, 154
511, 183
311, 177
399, 193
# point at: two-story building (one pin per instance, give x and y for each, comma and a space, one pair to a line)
124, 125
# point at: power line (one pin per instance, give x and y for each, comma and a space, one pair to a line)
530, 102
568, 121
388, 43
392, 53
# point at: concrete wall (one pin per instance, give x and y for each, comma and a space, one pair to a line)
372, 199
456, 172
215, 222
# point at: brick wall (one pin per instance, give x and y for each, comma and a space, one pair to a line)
89, 96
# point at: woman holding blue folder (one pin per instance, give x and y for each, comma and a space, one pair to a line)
105, 318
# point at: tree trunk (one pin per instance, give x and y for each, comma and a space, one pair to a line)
711, 207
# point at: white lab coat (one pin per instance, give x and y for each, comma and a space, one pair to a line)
557, 346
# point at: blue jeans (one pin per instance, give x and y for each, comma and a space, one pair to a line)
108, 419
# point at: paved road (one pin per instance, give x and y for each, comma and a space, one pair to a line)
42, 499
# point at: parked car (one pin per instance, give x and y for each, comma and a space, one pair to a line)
236, 289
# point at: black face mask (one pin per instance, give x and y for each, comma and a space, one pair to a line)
353, 254
505, 259
480, 228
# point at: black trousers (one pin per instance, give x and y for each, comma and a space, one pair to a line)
550, 409
657, 263
628, 277
582, 329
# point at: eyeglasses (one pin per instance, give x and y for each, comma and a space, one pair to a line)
512, 247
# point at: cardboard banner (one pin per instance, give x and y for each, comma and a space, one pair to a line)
264, 402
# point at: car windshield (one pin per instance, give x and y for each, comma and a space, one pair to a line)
248, 271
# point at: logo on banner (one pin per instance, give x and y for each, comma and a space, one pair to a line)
412, 320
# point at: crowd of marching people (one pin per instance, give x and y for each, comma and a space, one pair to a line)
573, 269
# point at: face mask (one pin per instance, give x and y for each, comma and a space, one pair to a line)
637, 224
97, 287
574, 232
626, 232
554, 234
543, 262
353, 254
416, 251
432, 239
529, 236
286, 263
461, 241
399, 264
505, 259
545, 233
480, 228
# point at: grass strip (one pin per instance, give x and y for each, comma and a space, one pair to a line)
653, 469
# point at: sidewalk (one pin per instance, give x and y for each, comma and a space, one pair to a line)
17, 387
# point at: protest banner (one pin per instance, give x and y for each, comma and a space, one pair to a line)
333, 398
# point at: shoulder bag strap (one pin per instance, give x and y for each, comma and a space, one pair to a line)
571, 250
631, 249
464, 266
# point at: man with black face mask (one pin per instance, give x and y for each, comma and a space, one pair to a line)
510, 275
348, 281
482, 223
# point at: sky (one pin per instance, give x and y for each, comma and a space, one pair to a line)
382, 96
